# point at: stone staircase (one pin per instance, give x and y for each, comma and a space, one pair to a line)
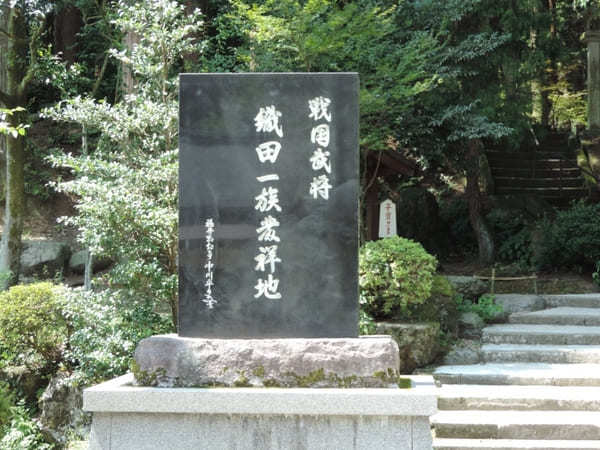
538, 387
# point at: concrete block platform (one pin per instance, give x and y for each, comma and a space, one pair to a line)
143, 418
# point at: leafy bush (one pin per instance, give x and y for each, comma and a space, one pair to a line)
23, 433
485, 307
395, 273
517, 248
33, 329
455, 213
570, 239
107, 328
512, 231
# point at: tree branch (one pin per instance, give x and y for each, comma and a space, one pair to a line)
33, 57
5, 33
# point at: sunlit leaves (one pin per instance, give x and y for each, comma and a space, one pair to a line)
11, 130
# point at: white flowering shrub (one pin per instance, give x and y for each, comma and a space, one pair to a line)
106, 328
125, 188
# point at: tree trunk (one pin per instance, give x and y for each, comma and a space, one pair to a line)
131, 40
19, 75
4, 88
10, 246
67, 24
485, 239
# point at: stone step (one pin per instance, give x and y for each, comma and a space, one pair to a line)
573, 300
521, 374
541, 334
563, 315
521, 398
512, 444
553, 354
559, 425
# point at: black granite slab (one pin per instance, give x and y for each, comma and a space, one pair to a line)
309, 286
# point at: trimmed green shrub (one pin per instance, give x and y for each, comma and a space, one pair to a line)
395, 274
439, 307
33, 330
570, 239
486, 308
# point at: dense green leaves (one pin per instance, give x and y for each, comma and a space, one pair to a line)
32, 327
126, 190
394, 274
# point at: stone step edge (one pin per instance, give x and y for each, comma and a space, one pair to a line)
515, 417
541, 353
503, 380
512, 444
511, 424
522, 398
541, 348
539, 329
561, 315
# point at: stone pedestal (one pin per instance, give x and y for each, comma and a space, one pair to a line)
173, 361
144, 418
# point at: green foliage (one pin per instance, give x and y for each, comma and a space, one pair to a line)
513, 231
6, 128
106, 330
6, 405
569, 107
439, 307
394, 274
454, 212
484, 308
517, 248
32, 328
571, 238
23, 433
126, 189
596, 274
366, 324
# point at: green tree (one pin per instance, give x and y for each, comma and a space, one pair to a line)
126, 187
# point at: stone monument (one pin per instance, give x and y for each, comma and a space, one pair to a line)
268, 205
268, 286
268, 251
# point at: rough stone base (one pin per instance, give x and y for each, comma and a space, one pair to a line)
173, 361
141, 418
418, 343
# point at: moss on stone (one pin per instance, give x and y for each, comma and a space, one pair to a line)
269, 382
392, 376
404, 383
145, 378
259, 372
242, 380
